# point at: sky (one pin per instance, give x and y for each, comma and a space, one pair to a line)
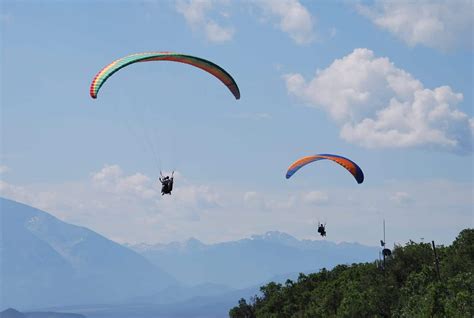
386, 84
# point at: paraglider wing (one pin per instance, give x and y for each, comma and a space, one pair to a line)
350, 166
203, 64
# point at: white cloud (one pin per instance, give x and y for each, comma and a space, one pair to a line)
123, 206
198, 196
107, 176
209, 18
40, 199
217, 33
194, 11
262, 202
442, 24
293, 18
215, 214
111, 179
379, 105
138, 186
316, 197
197, 12
253, 199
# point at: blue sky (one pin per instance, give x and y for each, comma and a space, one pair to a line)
393, 93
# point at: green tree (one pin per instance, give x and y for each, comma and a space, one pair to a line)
244, 310
408, 286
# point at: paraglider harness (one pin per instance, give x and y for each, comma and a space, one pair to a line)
166, 183
322, 229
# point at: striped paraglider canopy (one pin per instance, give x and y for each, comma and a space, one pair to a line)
203, 64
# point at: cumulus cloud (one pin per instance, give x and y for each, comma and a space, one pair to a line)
216, 214
442, 24
40, 199
198, 196
291, 17
197, 14
210, 18
253, 199
379, 105
264, 202
121, 205
316, 197
216, 33
111, 178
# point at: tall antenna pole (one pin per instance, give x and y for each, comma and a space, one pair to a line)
436, 259
384, 231
385, 251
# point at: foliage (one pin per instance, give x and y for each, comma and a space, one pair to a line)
409, 285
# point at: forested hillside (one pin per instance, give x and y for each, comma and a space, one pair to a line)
409, 285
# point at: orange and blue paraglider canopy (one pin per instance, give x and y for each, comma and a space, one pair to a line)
350, 165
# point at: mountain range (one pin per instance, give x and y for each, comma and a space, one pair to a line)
47, 265
251, 261
47, 262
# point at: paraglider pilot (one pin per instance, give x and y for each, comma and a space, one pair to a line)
322, 229
166, 184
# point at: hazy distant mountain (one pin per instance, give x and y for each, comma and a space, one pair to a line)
251, 261
49, 314
47, 262
201, 305
12, 313
181, 293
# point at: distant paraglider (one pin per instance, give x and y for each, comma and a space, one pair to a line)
350, 166
203, 64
